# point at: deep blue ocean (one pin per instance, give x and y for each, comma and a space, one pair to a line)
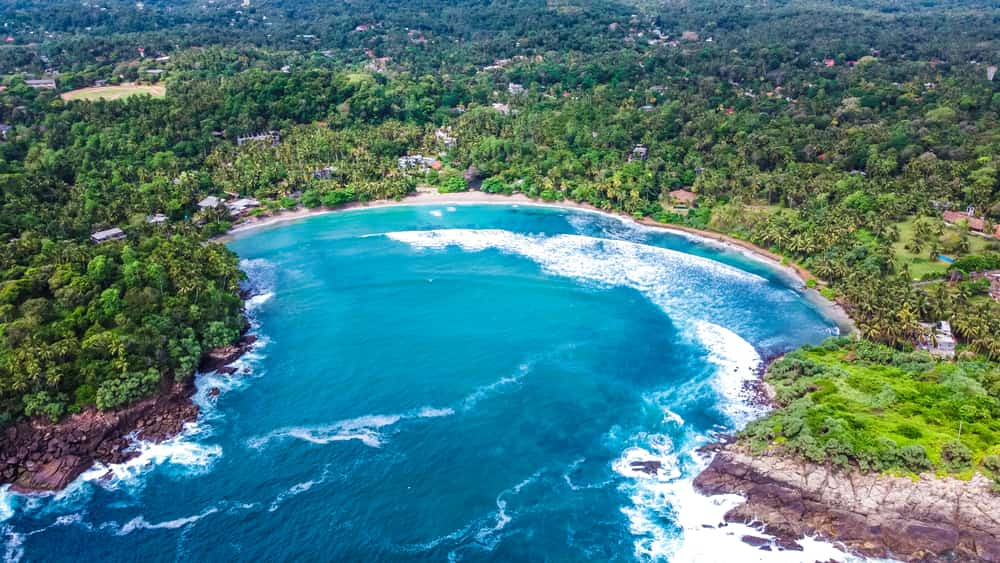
441, 383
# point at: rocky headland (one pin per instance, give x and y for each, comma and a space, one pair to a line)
927, 519
39, 455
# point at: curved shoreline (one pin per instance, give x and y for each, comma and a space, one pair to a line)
793, 272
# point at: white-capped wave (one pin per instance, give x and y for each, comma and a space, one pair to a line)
698, 532
7, 503
436, 212
737, 362
674, 281
182, 451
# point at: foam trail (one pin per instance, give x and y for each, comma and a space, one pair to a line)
298, 489
366, 429
140, 523
487, 390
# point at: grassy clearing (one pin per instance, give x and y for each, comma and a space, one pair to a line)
922, 264
865, 405
118, 92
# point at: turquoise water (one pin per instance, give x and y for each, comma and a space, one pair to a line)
451, 383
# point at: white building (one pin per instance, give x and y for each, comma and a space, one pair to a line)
107, 235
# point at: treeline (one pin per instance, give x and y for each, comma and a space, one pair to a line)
814, 130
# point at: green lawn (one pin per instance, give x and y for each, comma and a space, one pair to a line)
118, 92
922, 264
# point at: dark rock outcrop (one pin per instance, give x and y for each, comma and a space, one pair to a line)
651, 467
38, 455
220, 358
926, 519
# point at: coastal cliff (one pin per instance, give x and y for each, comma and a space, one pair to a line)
875, 515
38, 455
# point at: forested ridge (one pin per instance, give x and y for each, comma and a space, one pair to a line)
835, 135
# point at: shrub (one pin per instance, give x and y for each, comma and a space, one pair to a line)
992, 462
956, 456
909, 431
914, 457
453, 184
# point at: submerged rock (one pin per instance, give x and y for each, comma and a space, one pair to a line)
875, 515
651, 467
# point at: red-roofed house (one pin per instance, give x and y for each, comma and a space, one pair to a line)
954, 217
829, 63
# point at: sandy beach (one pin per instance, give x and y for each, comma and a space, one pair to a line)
430, 196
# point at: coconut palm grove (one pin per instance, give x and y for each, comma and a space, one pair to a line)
854, 143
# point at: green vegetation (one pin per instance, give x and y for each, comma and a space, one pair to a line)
922, 240
821, 131
867, 405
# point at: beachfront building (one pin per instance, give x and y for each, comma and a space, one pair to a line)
107, 235
240, 207
939, 340
210, 202
419, 163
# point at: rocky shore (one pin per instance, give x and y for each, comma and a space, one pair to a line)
38, 455
924, 520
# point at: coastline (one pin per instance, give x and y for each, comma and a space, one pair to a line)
38, 466
429, 196
875, 515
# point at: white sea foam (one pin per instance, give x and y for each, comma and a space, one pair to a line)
182, 452
366, 429
436, 212
737, 362
7, 503
451, 209
489, 533
298, 489
698, 532
140, 523
432, 412
487, 390
13, 545
674, 281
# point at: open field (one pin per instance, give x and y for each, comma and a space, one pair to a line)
115, 92
922, 264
